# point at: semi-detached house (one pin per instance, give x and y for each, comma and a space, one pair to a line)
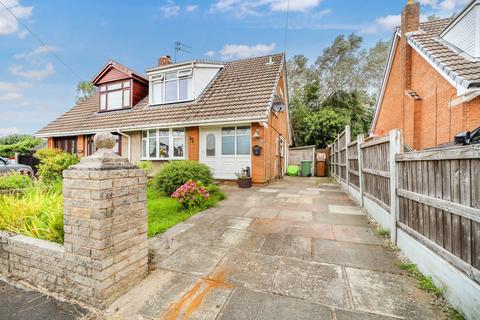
228, 115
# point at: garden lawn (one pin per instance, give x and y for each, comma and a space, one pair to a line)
164, 212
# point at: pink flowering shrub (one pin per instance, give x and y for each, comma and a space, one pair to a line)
191, 194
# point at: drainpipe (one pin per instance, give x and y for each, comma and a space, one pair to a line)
128, 137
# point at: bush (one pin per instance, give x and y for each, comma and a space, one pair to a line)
53, 162
214, 190
17, 144
174, 174
15, 180
192, 194
145, 166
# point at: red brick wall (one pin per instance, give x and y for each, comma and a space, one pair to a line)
429, 121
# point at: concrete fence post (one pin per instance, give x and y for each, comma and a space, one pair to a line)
395, 147
105, 224
348, 139
360, 141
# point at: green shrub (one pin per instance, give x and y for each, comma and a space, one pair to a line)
145, 166
15, 180
174, 174
17, 144
37, 212
215, 191
52, 164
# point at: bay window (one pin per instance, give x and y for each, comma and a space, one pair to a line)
115, 96
163, 144
236, 140
174, 86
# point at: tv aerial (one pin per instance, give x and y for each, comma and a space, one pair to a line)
181, 47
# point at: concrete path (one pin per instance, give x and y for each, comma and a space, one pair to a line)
296, 249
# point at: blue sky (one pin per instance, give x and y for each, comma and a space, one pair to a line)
35, 87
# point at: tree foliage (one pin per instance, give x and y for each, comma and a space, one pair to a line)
85, 89
339, 89
12, 144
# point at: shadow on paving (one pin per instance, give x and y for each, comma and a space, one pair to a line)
23, 304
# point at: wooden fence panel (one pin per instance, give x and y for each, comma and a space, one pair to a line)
353, 168
376, 170
342, 148
439, 200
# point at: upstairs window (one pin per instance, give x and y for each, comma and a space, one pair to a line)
171, 87
115, 96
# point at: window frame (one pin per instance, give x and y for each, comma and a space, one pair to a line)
161, 79
235, 136
104, 91
171, 141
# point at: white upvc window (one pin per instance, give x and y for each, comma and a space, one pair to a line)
163, 144
115, 96
236, 140
170, 87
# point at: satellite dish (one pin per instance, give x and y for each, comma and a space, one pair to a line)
278, 107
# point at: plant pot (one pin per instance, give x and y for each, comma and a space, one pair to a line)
244, 183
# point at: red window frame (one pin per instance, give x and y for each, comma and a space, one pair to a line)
122, 89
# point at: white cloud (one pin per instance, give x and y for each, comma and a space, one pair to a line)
8, 23
242, 51
36, 52
10, 91
11, 96
8, 131
389, 22
170, 9
23, 34
33, 74
191, 8
210, 53
256, 7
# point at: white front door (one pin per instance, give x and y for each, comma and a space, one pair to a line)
226, 150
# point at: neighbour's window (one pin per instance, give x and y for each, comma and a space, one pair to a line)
163, 144
171, 87
210, 145
236, 140
114, 96
91, 147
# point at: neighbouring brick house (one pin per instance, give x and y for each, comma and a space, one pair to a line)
217, 113
431, 85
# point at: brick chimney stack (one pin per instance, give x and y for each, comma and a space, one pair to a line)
164, 60
410, 23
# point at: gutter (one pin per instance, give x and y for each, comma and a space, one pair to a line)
129, 148
464, 97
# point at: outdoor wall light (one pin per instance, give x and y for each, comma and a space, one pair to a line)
256, 134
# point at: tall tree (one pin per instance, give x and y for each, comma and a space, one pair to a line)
374, 66
85, 89
299, 73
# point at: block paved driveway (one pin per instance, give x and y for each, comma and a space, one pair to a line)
295, 249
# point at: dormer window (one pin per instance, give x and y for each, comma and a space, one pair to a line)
173, 86
115, 95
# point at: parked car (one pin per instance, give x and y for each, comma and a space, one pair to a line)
7, 166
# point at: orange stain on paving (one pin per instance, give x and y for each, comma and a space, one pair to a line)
192, 300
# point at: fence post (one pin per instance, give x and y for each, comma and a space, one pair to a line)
395, 147
360, 141
339, 161
347, 164
334, 156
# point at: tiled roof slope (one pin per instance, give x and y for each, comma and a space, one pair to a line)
242, 90
457, 65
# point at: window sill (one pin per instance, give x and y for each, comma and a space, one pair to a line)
161, 159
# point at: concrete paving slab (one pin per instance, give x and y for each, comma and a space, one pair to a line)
302, 199
163, 247
356, 234
263, 213
269, 190
194, 259
20, 303
341, 219
267, 226
153, 296
241, 223
295, 215
288, 195
253, 270
246, 304
231, 211
390, 294
345, 210
177, 229
313, 230
313, 281
374, 257
205, 235
277, 244
341, 314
